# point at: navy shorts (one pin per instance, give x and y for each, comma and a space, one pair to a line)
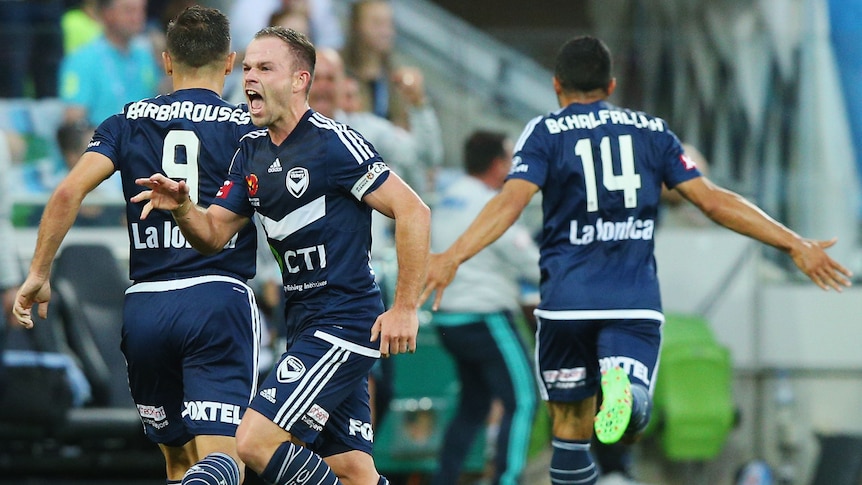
572, 353
192, 348
319, 392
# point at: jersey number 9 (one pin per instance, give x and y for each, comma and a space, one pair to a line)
176, 142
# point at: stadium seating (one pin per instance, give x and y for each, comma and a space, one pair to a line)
694, 410
104, 435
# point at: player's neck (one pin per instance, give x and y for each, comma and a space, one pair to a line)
281, 129
582, 98
192, 81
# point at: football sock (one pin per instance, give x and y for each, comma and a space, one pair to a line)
214, 469
612, 458
641, 407
173, 482
294, 464
571, 462
382, 481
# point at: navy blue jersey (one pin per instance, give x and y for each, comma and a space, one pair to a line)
600, 169
308, 194
190, 134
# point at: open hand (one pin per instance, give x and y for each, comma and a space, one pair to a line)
441, 272
811, 258
164, 194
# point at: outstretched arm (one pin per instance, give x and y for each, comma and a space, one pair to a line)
495, 218
734, 212
58, 217
397, 327
207, 230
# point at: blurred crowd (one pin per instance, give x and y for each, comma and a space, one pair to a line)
76, 62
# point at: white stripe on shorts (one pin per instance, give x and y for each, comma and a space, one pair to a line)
345, 344
179, 284
599, 314
318, 376
310, 386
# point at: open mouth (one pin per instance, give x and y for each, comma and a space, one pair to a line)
255, 101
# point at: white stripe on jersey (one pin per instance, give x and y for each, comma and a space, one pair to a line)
255, 134
358, 142
232, 160
350, 139
528, 130
295, 220
249, 135
599, 314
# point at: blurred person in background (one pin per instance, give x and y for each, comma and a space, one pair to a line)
31, 47
249, 16
601, 169
476, 319
80, 25
115, 68
10, 266
385, 89
108, 209
191, 330
293, 17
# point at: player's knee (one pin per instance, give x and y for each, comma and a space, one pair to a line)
353, 467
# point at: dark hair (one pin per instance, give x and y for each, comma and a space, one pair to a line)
70, 135
103, 4
583, 64
300, 46
481, 149
198, 36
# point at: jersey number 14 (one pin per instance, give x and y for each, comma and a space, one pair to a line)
628, 181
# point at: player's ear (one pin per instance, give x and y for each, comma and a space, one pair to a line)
168, 63
231, 59
301, 80
612, 86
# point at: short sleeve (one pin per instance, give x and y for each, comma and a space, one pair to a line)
356, 165
531, 159
107, 139
233, 194
677, 166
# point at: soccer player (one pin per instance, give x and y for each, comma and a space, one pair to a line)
190, 328
600, 169
313, 183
